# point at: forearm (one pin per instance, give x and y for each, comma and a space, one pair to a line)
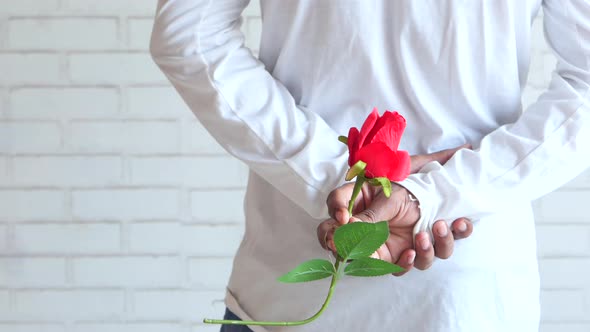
545, 148
200, 48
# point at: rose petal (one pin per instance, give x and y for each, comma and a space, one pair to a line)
390, 129
368, 126
402, 170
353, 145
381, 121
383, 162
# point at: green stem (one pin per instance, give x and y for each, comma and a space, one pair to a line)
335, 278
358, 185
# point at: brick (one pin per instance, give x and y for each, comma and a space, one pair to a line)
140, 31
562, 305
196, 172
62, 33
3, 98
126, 204
4, 303
564, 272
64, 103
131, 327
119, 137
219, 206
563, 240
155, 237
3, 237
32, 272
170, 238
115, 68
67, 239
27, 7
221, 241
67, 171
29, 137
4, 178
192, 306
562, 207
198, 140
28, 327
210, 273
32, 205
156, 102
127, 271
69, 305
29, 69
111, 7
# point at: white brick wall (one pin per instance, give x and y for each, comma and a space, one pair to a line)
98, 234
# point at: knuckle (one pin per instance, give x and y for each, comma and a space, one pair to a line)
369, 215
330, 197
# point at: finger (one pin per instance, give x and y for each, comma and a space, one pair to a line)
406, 261
325, 233
443, 240
338, 204
418, 161
462, 228
442, 156
366, 215
424, 251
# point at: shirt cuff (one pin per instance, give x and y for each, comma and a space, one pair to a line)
428, 201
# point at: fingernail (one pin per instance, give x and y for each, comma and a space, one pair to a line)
442, 230
411, 258
424, 244
462, 227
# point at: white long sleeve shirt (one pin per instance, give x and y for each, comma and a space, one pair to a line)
455, 70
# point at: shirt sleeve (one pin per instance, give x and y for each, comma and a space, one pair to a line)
200, 48
545, 148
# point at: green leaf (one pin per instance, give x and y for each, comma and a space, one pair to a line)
360, 239
370, 267
355, 170
314, 269
384, 183
343, 139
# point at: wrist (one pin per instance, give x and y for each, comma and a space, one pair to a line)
426, 202
410, 206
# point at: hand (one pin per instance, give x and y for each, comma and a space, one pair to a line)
402, 213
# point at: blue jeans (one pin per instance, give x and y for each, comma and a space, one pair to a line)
233, 328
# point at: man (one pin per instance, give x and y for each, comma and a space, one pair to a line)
455, 70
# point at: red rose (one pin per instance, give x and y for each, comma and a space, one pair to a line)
376, 145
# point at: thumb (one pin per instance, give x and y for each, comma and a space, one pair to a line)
418, 161
337, 203
381, 208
